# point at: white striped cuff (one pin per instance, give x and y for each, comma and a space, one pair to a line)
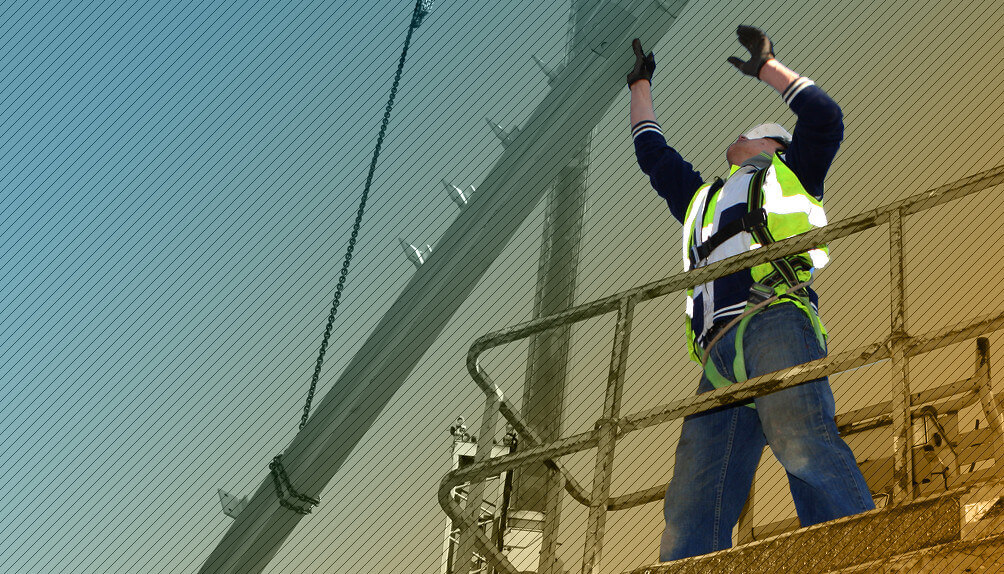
645, 126
794, 88
729, 311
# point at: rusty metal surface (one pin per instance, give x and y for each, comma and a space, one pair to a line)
955, 395
902, 443
983, 556
844, 543
985, 393
733, 394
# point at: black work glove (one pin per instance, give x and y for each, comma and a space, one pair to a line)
644, 66
760, 47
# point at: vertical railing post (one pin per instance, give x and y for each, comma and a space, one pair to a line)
476, 491
987, 400
902, 489
607, 430
548, 563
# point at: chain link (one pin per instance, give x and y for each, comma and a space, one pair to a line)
281, 480
421, 9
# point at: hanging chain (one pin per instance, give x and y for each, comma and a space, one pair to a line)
421, 10
281, 480
279, 477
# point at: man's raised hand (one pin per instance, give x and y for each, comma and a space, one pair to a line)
760, 48
644, 66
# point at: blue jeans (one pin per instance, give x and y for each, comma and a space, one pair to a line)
719, 451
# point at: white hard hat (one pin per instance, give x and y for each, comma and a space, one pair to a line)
772, 131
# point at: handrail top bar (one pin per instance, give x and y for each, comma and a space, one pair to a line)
785, 247
830, 365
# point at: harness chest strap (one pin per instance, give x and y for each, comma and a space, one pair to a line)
784, 268
695, 248
752, 220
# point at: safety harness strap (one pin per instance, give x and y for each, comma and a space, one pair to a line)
739, 371
753, 219
694, 259
784, 267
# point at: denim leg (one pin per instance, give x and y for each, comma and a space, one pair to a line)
799, 422
716, 460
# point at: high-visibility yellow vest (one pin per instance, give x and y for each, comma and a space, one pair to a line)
787, 210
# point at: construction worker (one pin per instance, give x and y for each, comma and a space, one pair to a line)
754, 321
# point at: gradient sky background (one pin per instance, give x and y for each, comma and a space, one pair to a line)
178, 184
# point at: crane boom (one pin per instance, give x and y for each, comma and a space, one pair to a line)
591, 80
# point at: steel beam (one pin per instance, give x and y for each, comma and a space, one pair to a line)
590, 82
538, 488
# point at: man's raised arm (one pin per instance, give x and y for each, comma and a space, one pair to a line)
819, 130
672, 177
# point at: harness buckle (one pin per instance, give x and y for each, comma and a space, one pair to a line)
759, 293
754, 220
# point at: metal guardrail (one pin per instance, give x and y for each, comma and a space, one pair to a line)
899, 346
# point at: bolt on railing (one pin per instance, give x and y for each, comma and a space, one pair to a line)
899, 347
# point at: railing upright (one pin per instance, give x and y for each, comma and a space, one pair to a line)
607, 430
466, 547
902, 490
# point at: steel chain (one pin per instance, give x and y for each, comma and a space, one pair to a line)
280, 479
421, 9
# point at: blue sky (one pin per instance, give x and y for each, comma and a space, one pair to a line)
178, 187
